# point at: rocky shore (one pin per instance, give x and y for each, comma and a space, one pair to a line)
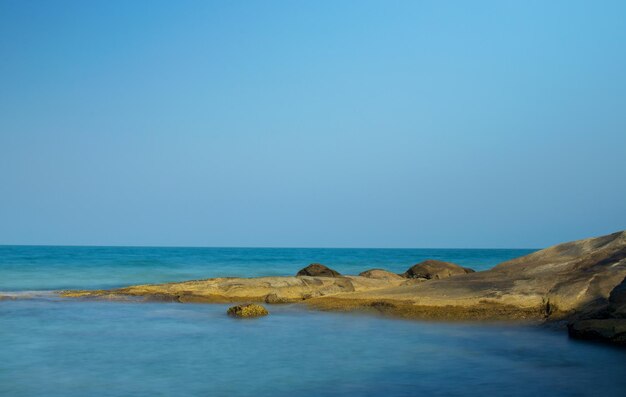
581, 284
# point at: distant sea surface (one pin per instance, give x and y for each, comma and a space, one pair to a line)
57, 347
39, 268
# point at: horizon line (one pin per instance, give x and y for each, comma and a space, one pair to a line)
258, 247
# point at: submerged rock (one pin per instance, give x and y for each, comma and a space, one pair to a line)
380, 274
319, 270
611, 330
249, 310
434, 269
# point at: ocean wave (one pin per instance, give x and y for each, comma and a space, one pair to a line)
14, 295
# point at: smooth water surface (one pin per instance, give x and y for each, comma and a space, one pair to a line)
85, 348
51, 268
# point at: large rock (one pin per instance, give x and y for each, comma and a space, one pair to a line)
318, 270
380, 274
567, 281
575, 277
434, 269
249, 310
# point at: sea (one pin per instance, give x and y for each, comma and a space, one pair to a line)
51, 346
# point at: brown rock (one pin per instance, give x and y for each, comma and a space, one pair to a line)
434, 269
318, 270
380, 274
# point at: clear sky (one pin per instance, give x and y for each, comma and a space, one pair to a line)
312, 124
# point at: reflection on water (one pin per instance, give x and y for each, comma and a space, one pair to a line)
53, 347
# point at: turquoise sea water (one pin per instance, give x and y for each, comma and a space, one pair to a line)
49, 268
58, 347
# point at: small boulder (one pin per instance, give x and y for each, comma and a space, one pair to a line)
319, 270
249, 310
433, 269
380, 274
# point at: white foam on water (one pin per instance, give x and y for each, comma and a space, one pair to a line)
29, 294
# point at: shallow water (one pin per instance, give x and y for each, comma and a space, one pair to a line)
62, 347
76, 348
50, 268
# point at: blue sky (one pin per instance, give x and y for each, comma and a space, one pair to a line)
312, 124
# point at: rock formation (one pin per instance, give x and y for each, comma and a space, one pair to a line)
580, 282
565, 281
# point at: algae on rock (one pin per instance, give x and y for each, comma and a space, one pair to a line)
249, 310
